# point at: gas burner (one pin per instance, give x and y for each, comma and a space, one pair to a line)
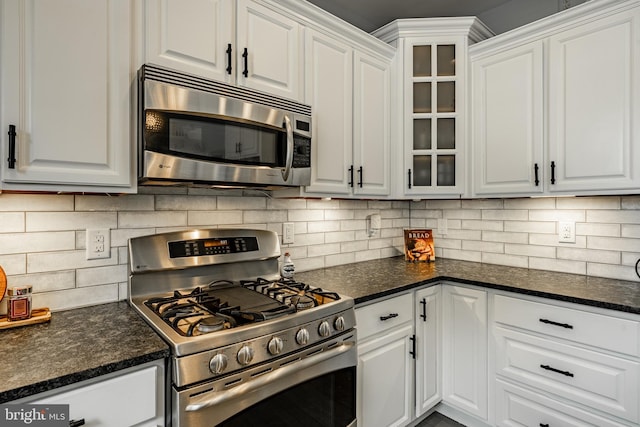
210, 324
302, 302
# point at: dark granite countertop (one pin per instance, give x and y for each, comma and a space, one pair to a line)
75, 345
370, 280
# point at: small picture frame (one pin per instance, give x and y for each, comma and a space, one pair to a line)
419, 246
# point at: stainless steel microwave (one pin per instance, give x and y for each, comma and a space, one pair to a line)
195, 131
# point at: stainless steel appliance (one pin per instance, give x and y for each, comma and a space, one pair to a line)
248, 347
194, 131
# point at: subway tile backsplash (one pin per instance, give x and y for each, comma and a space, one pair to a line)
42, 237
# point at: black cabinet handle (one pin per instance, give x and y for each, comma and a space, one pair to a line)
76, 423
12, 147
558, 371
389, 316
351, 176
551, 322
245, 56
413, 346
229, 59
535, 168
424, 309
544, 425
360, 177
409, 178
553, 172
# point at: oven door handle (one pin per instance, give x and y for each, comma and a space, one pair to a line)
218, 397
289, 160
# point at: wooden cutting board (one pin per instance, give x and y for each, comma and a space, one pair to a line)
3, 283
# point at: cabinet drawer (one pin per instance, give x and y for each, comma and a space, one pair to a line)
583, 327
126, 400
596, 380
519, 407
383, 315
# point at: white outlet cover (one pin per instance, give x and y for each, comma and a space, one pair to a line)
98, 243
566, 232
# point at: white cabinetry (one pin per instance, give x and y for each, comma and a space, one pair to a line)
385, 366
555, 105
349, 89
464, 342
239, 42
123, 399
431, 110
66, 87
584, 365
428, 321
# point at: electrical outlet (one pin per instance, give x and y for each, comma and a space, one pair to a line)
287, 233
98, 243
566, 232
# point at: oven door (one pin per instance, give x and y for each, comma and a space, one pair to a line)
315, 388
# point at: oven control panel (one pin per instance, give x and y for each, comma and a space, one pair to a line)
212, 246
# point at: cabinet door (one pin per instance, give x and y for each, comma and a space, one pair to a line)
66, 87
465, 349
594, 105
384, 396
126, 400
191, 36
273, 59
371, 126
434, 115
428, 351
329, 90
508, 121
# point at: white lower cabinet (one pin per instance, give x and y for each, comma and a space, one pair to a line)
428, 321
464, 342
581, 364
132, 398
385, 365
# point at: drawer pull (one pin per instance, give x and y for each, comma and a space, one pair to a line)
389, 316
76, 423
551, 322
424, 309
544, 425
549, 368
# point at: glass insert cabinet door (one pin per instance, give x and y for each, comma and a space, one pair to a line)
432, 117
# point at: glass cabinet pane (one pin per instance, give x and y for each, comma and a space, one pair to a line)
446, 170
446, 57
422, 97
422, 134
446, 134
422, 171
422, 61
446, 97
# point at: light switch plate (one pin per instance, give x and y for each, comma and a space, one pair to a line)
98, 243
287, 233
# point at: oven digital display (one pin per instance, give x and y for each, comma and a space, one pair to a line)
213, 246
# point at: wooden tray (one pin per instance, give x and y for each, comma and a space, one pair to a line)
38, 315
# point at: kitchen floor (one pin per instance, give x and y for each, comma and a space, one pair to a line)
439, 420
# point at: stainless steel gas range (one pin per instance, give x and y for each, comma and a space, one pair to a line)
248, 347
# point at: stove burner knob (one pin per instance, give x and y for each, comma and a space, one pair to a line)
324, 329
339, 323
245, 355
275, 346
218, 363
302, 336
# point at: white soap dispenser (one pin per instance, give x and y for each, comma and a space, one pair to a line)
287, 268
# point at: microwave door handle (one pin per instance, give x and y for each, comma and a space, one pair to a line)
289, 160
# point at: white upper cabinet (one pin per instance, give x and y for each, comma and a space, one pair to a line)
66, 90
194, 36
238, 42
594, 105
430, 119
507, 121
556, 105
